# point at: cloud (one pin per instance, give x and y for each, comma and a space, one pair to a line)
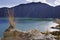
11, 3
57, 2
36, 1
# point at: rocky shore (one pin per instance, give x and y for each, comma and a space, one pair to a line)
29, 35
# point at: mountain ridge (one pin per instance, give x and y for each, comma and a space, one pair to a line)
34, 10
30, 3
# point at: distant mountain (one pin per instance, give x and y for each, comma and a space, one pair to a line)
34, 10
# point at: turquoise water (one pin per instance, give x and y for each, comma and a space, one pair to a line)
26, 24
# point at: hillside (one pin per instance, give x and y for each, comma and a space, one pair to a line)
33, 10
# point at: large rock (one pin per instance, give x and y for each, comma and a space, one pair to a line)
36, 35
14, 34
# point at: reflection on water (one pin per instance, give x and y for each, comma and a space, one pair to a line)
25, 24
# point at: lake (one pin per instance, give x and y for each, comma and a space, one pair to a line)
25, 24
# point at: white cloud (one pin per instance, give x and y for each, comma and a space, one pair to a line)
55, 3
36, 1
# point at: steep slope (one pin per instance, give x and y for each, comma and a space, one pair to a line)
33, 10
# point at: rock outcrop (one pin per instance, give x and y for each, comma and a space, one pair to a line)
36, 34
13, 34
29, 35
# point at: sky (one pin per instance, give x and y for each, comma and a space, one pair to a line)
11, 3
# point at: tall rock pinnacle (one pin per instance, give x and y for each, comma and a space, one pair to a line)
11, 18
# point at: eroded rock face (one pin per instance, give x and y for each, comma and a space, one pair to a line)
13, 34
29, 35
36, 35
18, 35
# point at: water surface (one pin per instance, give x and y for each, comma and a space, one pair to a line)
26, 24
